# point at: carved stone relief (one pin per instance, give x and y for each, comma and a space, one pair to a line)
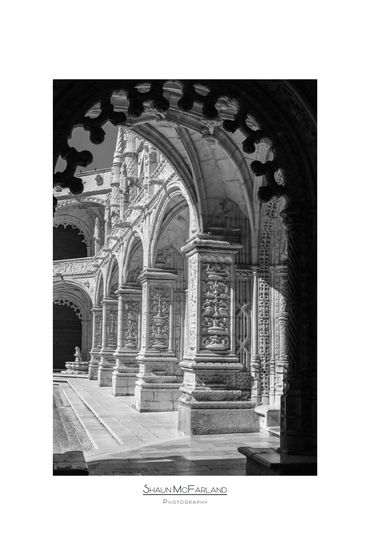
192, 302
111, 328
215, 304
79, 266
179, 315
159, 302
130, 324
98, 330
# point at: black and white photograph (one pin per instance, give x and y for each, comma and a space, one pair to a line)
184, 277
184, 310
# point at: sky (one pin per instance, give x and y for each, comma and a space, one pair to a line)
102, 154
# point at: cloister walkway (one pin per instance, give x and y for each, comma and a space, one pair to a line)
116, 439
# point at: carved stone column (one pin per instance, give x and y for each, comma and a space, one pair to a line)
128, 341
255, 359
157, 387
298, 402
215, 388
282, 360
96, 342
109, 341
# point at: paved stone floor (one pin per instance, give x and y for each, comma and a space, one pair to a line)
116, 439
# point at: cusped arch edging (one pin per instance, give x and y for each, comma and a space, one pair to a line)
71, 304
75, 293
256, 101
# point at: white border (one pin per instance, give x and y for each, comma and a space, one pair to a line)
227, 40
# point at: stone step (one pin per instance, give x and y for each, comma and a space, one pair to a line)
99, 433
69, 433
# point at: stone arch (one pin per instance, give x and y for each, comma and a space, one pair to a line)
74, 295
194, 182
175, 189
134, 243
112, 276
69, 242
76, 223
81, 214
100, 287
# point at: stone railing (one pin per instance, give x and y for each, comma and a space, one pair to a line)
74, 266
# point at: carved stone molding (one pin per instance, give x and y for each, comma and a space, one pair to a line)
77, 266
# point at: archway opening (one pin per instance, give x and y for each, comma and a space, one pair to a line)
67, 334
68, 242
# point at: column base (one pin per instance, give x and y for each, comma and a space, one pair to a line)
157, 393
93, 367
220, 414
93, 371
105, 377
123, 383
105, 369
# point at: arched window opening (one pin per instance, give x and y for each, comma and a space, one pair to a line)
68, 242
67, 334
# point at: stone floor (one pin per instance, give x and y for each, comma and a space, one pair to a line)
116, 439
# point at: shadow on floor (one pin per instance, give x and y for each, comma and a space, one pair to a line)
172, 465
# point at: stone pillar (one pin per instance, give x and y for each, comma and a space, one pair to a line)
214, 391
128, 340
282, 360
255, 359
96, 342
109, 341
298, 402
157, 387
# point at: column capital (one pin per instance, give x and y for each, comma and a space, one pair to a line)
205, 242
127, 290
156, 274
106, 301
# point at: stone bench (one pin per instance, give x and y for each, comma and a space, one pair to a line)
267, 461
